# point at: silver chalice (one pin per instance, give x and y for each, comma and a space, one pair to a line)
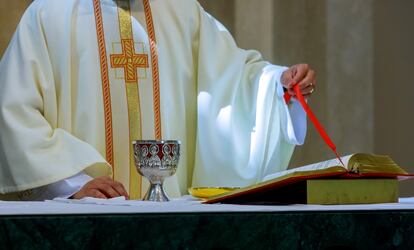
156, 160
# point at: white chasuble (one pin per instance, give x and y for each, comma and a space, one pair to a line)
82, 79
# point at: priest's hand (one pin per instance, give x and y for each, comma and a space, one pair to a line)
102, 187
301, 74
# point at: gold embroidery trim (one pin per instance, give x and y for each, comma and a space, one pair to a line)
106, 92
155, 68
130, 62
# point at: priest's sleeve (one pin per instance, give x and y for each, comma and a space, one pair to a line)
62, 189
245, 129
34, 150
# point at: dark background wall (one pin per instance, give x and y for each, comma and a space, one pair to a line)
394, 81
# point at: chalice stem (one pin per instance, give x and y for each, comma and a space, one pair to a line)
156, 193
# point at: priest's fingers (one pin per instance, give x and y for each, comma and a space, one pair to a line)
108, 190
95, 193
300, 72
309, 81
308, 90
119, 188
287, 77
106, 181
306, 96
305, 92
88, 192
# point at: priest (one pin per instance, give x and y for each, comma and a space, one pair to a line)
81, 80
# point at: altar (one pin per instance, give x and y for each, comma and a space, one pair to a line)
188, 224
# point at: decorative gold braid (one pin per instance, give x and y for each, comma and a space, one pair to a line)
129, 61
155, 69
105, 84
130, 67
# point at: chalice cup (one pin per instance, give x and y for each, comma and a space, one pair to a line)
156, 160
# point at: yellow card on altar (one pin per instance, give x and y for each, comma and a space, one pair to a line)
207, 192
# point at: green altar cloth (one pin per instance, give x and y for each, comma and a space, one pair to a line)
388, 229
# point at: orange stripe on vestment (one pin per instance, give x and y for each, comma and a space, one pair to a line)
155, 69
106, 92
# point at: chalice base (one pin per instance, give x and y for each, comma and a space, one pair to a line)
156, 193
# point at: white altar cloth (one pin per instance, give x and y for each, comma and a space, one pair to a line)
183, 205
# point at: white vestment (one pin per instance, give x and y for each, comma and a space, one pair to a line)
223, 103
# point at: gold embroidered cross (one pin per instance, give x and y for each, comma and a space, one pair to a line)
129, 61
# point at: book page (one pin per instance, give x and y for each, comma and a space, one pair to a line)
312, 167
370, 163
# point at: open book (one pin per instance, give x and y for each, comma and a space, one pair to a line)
290, 186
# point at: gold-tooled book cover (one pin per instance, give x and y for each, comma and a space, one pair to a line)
291, 186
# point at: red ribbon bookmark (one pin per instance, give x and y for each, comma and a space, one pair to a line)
314, 120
